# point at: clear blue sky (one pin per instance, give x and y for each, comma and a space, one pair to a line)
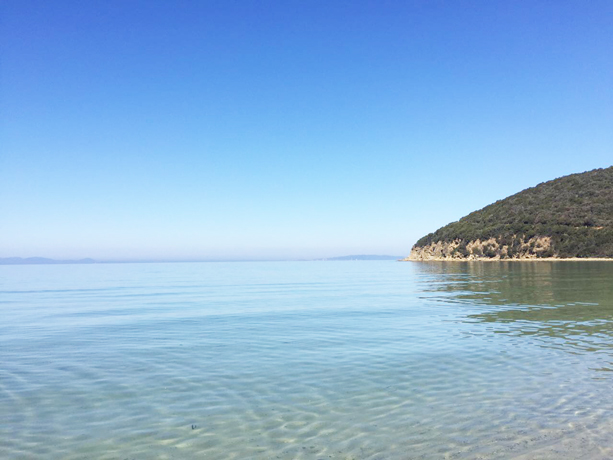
287, 129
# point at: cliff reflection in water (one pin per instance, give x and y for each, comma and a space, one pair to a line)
564, 305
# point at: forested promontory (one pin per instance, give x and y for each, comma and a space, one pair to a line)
568, 217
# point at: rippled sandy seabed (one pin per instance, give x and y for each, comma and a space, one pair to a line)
307, 360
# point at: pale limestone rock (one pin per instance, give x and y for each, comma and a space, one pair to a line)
528, 249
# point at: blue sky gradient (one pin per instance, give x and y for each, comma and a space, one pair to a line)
287, 129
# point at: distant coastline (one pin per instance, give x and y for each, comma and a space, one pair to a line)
363, 257
42, 261
48, 261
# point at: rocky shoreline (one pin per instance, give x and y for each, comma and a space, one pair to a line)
537, 248
541, 259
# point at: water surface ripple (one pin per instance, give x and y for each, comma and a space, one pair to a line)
307, 360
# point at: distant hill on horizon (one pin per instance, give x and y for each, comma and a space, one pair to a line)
364, 257
568, 217
41, 261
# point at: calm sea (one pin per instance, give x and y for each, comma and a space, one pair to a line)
307, 360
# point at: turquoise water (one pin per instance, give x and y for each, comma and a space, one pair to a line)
307, 360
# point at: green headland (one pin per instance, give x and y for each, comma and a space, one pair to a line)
566, 218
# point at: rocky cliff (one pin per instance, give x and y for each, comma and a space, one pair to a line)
492, 248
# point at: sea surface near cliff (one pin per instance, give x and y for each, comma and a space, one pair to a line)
307, 360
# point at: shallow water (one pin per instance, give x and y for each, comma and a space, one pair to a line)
307, 360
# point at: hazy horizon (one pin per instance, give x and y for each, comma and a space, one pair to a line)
196, 260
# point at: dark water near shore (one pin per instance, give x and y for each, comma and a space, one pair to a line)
307, 360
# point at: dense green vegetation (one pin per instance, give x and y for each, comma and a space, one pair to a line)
575, 211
